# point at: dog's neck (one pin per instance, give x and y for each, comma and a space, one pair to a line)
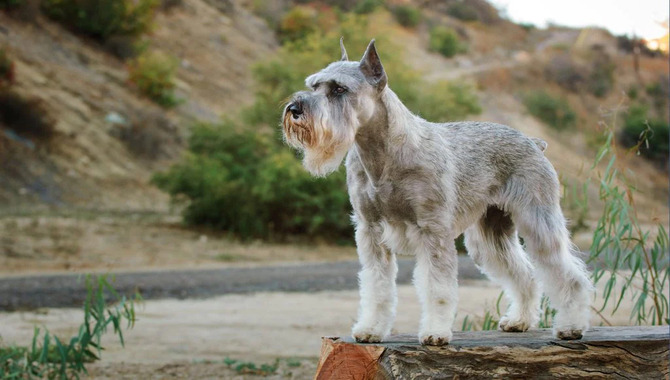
389, 125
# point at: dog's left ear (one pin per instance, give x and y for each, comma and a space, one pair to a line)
372, 68
345, 57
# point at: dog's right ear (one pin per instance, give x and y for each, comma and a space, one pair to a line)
372, 68
345, 57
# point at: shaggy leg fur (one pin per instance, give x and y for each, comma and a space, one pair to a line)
563, 275
493, 244
377, 288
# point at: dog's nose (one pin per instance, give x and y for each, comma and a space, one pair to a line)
295, 109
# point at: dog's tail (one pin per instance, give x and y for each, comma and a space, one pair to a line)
540, 143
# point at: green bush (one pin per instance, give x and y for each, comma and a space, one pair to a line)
555, 112
153, 73
246, 183
101, 19
367, 6
407, 15
297, 24
462, 11
445, 41
638, 126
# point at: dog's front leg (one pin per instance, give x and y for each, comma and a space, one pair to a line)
377, 287
436, 282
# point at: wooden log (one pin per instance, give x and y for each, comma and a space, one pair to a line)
630, 352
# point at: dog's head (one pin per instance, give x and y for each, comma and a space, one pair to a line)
324, 120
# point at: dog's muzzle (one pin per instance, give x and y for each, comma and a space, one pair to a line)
297, 128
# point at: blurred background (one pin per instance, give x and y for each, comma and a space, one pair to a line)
142, 136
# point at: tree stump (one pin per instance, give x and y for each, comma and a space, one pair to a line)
630, 352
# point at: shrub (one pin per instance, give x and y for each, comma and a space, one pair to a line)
407, 15
101, 19
245, 183
153, 73
26, 117
462, 11
297, 24
445, 41
445, 101
563, 71
638, 126
7, 72
555, 112
367, 6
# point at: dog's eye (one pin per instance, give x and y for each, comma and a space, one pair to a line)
339, 90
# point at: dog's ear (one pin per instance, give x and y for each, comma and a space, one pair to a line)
372, 68
345, 57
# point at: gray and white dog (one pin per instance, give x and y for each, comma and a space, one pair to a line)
416, 185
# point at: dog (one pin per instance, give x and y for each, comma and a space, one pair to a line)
416, 185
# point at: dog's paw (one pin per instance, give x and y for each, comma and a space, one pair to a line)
367, 337
508, 325
569, 334
366, 334
435, 339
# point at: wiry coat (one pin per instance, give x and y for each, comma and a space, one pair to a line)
415, 186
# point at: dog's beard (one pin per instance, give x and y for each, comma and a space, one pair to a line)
323, 146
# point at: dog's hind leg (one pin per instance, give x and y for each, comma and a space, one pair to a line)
563, 275
493, 244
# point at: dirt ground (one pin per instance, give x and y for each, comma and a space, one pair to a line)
194, 338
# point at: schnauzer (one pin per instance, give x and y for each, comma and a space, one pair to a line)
416, 185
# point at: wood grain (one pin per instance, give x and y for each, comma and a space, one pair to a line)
630, 352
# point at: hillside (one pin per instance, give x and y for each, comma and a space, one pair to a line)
108, 139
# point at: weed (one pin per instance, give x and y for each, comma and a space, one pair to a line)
250, 368
49, 356
153, 73
653, 131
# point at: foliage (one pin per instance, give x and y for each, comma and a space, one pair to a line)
367, 6
462, 11
637, 125
246, 183
7, 72
101, 19
50, 357
297, 24
555, 112
445, 101
407, 15
153, 73
445, 41
624, 253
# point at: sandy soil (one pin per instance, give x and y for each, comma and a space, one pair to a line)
191, 338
